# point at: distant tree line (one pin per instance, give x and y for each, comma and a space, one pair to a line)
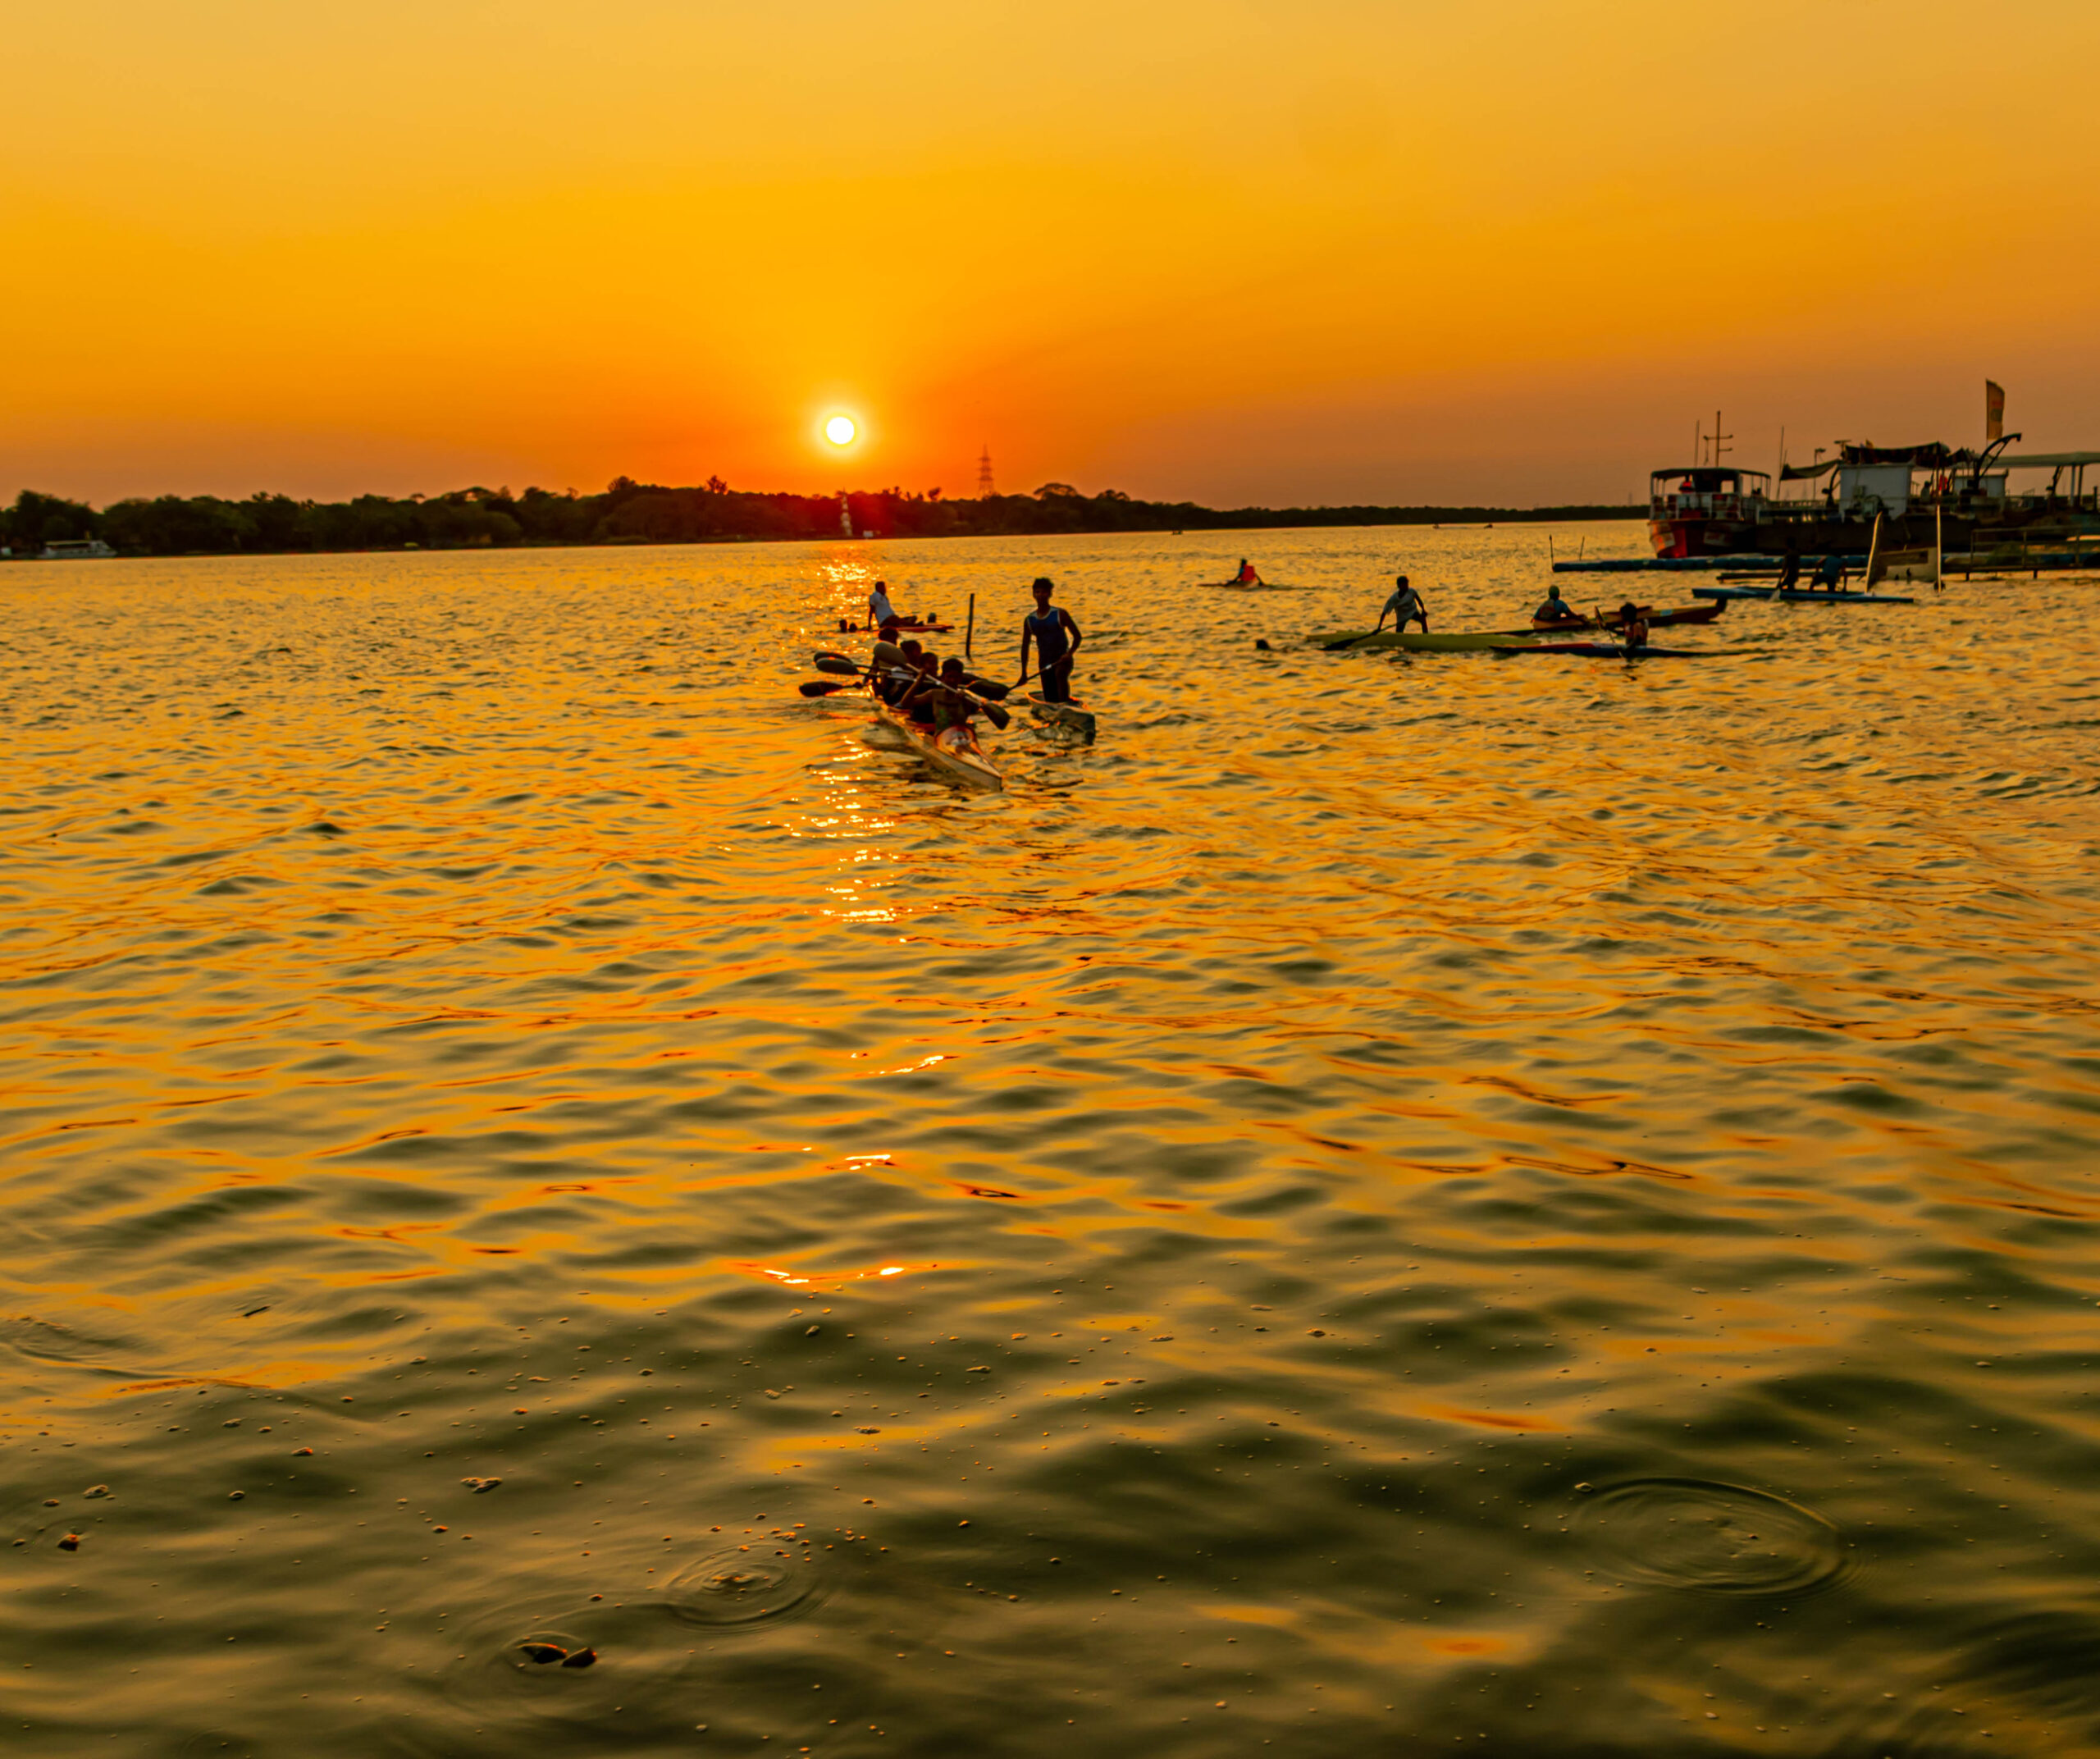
640, 513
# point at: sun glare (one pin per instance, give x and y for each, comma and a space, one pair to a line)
840, 430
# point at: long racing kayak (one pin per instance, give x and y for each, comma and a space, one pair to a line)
1416, 641
1616, 651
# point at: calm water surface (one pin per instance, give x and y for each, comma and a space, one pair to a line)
1390, 1205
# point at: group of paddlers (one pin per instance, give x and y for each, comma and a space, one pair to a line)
1630, 620
919, 684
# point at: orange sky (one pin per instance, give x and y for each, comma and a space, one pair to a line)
1280, 250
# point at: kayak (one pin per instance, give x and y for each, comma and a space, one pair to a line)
1074, 717
955, 752
1614, 650
1416, 642
1801, 596
1612, 619
1233, 586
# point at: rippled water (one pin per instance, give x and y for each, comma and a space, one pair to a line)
1392, 1203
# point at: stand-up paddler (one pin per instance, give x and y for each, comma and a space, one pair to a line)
1056, 638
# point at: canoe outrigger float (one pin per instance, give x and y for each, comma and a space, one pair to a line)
955, 752
1073, 717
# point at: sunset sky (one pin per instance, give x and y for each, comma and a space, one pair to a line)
1242, 250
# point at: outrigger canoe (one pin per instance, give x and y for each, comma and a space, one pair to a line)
955, 752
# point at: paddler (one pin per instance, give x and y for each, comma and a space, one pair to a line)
951, 709
1406, 607
1556, 608
1633, 626
885, 664
916, 700
1246, 577
880, 610
1790, 574
1830, 573
1056, 638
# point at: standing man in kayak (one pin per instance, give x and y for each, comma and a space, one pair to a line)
1056, 638
1406, 606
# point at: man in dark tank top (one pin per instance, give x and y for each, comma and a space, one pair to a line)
1049, 628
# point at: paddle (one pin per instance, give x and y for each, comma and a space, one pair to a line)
840, 665
998, 717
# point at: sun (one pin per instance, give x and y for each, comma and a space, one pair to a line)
840, 430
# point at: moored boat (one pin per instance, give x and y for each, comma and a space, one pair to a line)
1801, 596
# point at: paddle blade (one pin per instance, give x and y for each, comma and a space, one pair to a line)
997, 716
816, 687
837, 664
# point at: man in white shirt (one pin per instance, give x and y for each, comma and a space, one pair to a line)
879, 608
1405, 606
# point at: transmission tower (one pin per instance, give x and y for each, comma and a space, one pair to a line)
985, 492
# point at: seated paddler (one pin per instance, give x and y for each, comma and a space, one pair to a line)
917, 700
952, 708
1556, 608
886, 667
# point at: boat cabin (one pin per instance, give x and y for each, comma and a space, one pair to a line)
1707, 492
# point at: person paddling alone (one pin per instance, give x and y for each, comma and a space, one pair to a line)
1246, 577
1056, 638
1406, 607
1557, 610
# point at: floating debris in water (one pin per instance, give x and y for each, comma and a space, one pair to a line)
70, 1543
236, 1495
96, 1491
544, 1653
582, 1658
480, 1486
302, 1453
813, 1330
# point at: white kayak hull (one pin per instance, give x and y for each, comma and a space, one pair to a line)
954, 753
